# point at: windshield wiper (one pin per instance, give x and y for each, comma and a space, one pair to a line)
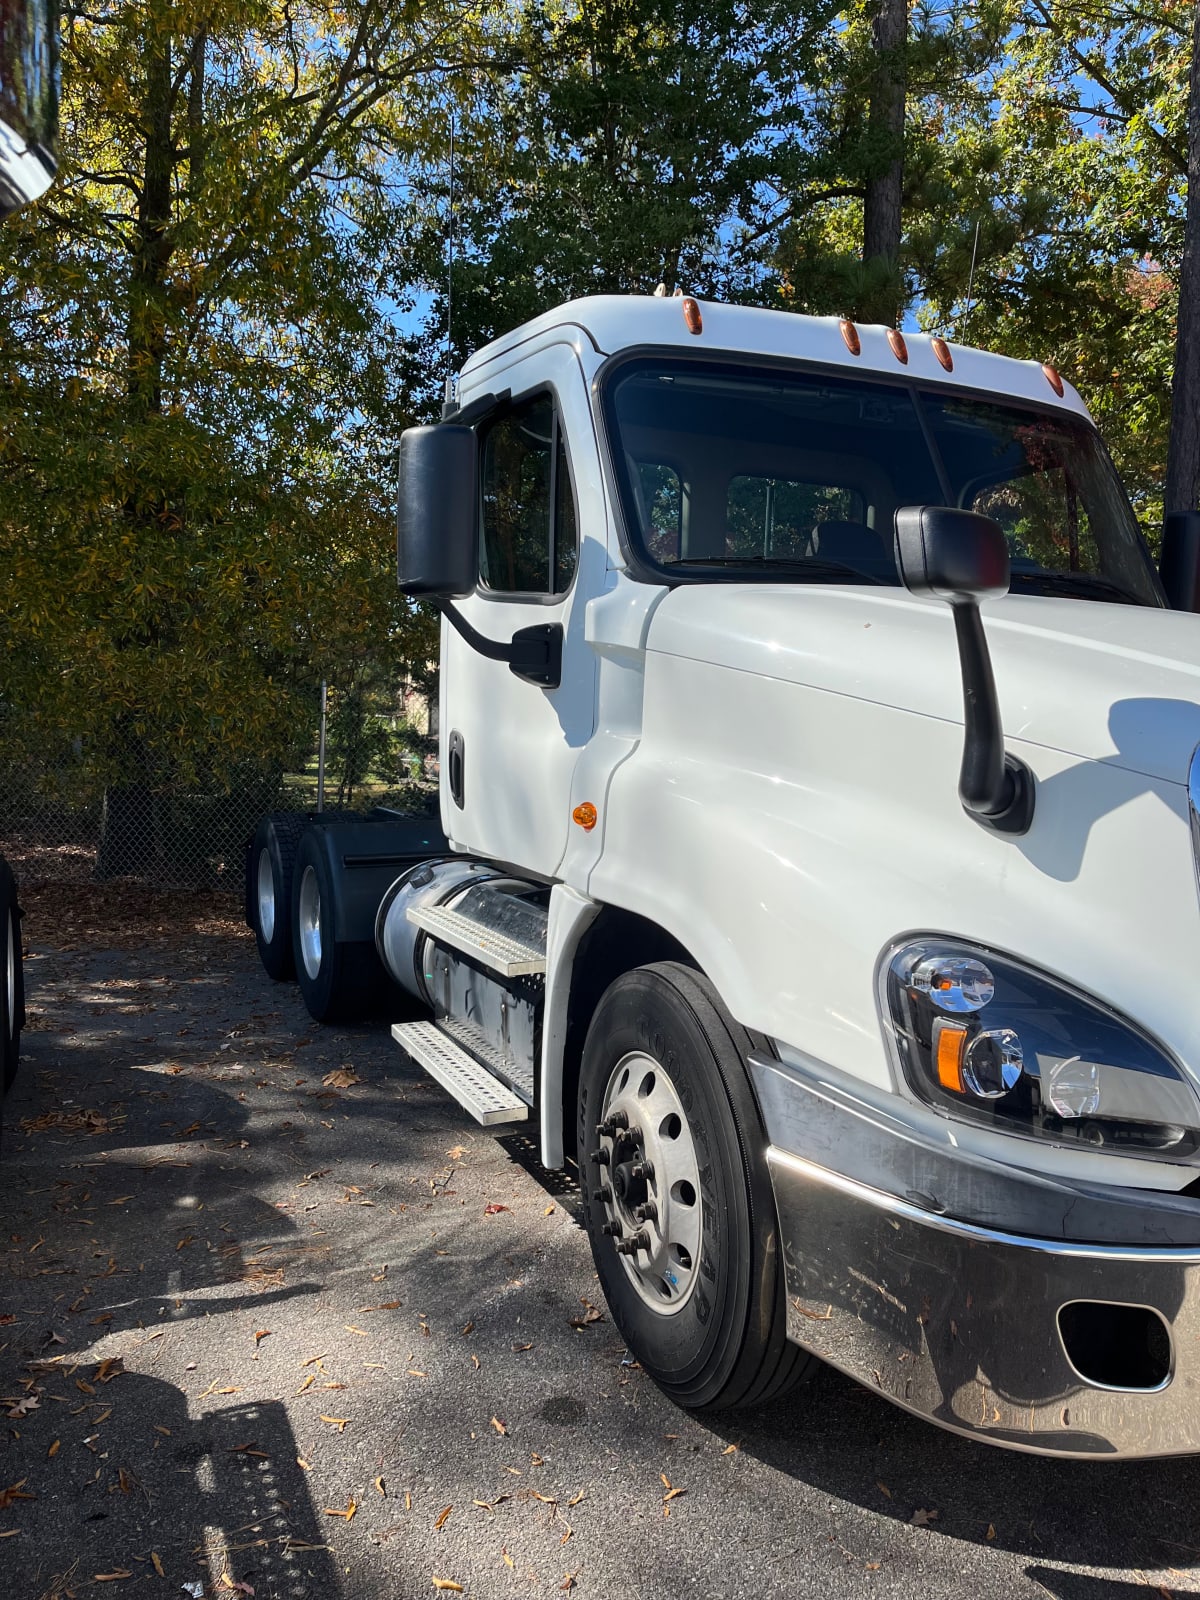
1073, 585
813, 569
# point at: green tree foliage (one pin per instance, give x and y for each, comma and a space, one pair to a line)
635, 142
200, 380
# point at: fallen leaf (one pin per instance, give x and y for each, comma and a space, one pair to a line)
346, 1514
157, 1560
520, 1347
336, 1422
470, 1328
55, 1448
263, 1333
158, 1426
498, 1425
991, 1532
28, 1403
342, 1078
111, 1577
415, 1372
308, 1382
443, 1517
884, 1490
15, 1491
362, 1332
388, 1305
447, 1583
126, 1480
494, 1209
304, 1466
379, 1484
312, 1360
731, 1448
508, 1560
922, 1519
113, 1366
475, 1362
547, 1211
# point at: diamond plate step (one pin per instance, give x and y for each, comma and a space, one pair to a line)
511, 958
517, 1073
476, 1090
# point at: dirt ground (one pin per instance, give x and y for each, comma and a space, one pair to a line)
277, 1319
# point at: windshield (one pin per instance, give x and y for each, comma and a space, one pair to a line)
794, 476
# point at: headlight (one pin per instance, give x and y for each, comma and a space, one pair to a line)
983, 1037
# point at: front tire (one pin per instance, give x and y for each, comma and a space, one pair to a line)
677, 1197
340, 980
12, 978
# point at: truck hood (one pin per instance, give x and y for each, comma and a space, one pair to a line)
1112, 683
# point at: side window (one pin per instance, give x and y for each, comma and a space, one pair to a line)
529, 541
776, 517
662, 509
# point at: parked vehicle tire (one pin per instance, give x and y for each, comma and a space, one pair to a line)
677, 1197
270, 869
12, 994
340, 980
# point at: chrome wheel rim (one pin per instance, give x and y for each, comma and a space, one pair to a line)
266, 896
650, 1183
310, 923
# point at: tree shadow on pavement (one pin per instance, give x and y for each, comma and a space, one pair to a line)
836, 1436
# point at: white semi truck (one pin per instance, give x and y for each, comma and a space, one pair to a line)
29, 87
845, 942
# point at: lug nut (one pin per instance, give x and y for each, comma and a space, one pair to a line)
618, 1119
604, 1195
600, 1157
639, 1241
646, 1212
642, 1169
613, 1229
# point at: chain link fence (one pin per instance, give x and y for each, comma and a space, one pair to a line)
60, 822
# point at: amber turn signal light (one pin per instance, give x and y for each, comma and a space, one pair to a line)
585, 816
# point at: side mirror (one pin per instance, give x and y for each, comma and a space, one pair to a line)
436, 549
962, 557
1180, 565
955, 555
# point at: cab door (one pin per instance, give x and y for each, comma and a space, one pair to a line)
508, 745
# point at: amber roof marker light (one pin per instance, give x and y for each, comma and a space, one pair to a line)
1053, 378
691, 314
899, 349
850, 335
942, 351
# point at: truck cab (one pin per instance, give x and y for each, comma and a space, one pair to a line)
819, 792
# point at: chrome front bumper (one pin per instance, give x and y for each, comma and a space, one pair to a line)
957, 1319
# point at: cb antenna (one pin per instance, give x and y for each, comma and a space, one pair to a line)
962, 337
449, 394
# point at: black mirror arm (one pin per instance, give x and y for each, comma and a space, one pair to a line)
534, 654
995, 787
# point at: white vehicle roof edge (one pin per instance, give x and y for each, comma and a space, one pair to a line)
617, 323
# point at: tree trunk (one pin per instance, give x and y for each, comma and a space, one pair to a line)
147, 331
882, 289
1183, 450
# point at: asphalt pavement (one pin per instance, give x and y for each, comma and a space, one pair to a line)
278, 1319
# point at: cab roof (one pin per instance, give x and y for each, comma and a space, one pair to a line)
613, 323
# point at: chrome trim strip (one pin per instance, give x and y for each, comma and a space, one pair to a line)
968, 1231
